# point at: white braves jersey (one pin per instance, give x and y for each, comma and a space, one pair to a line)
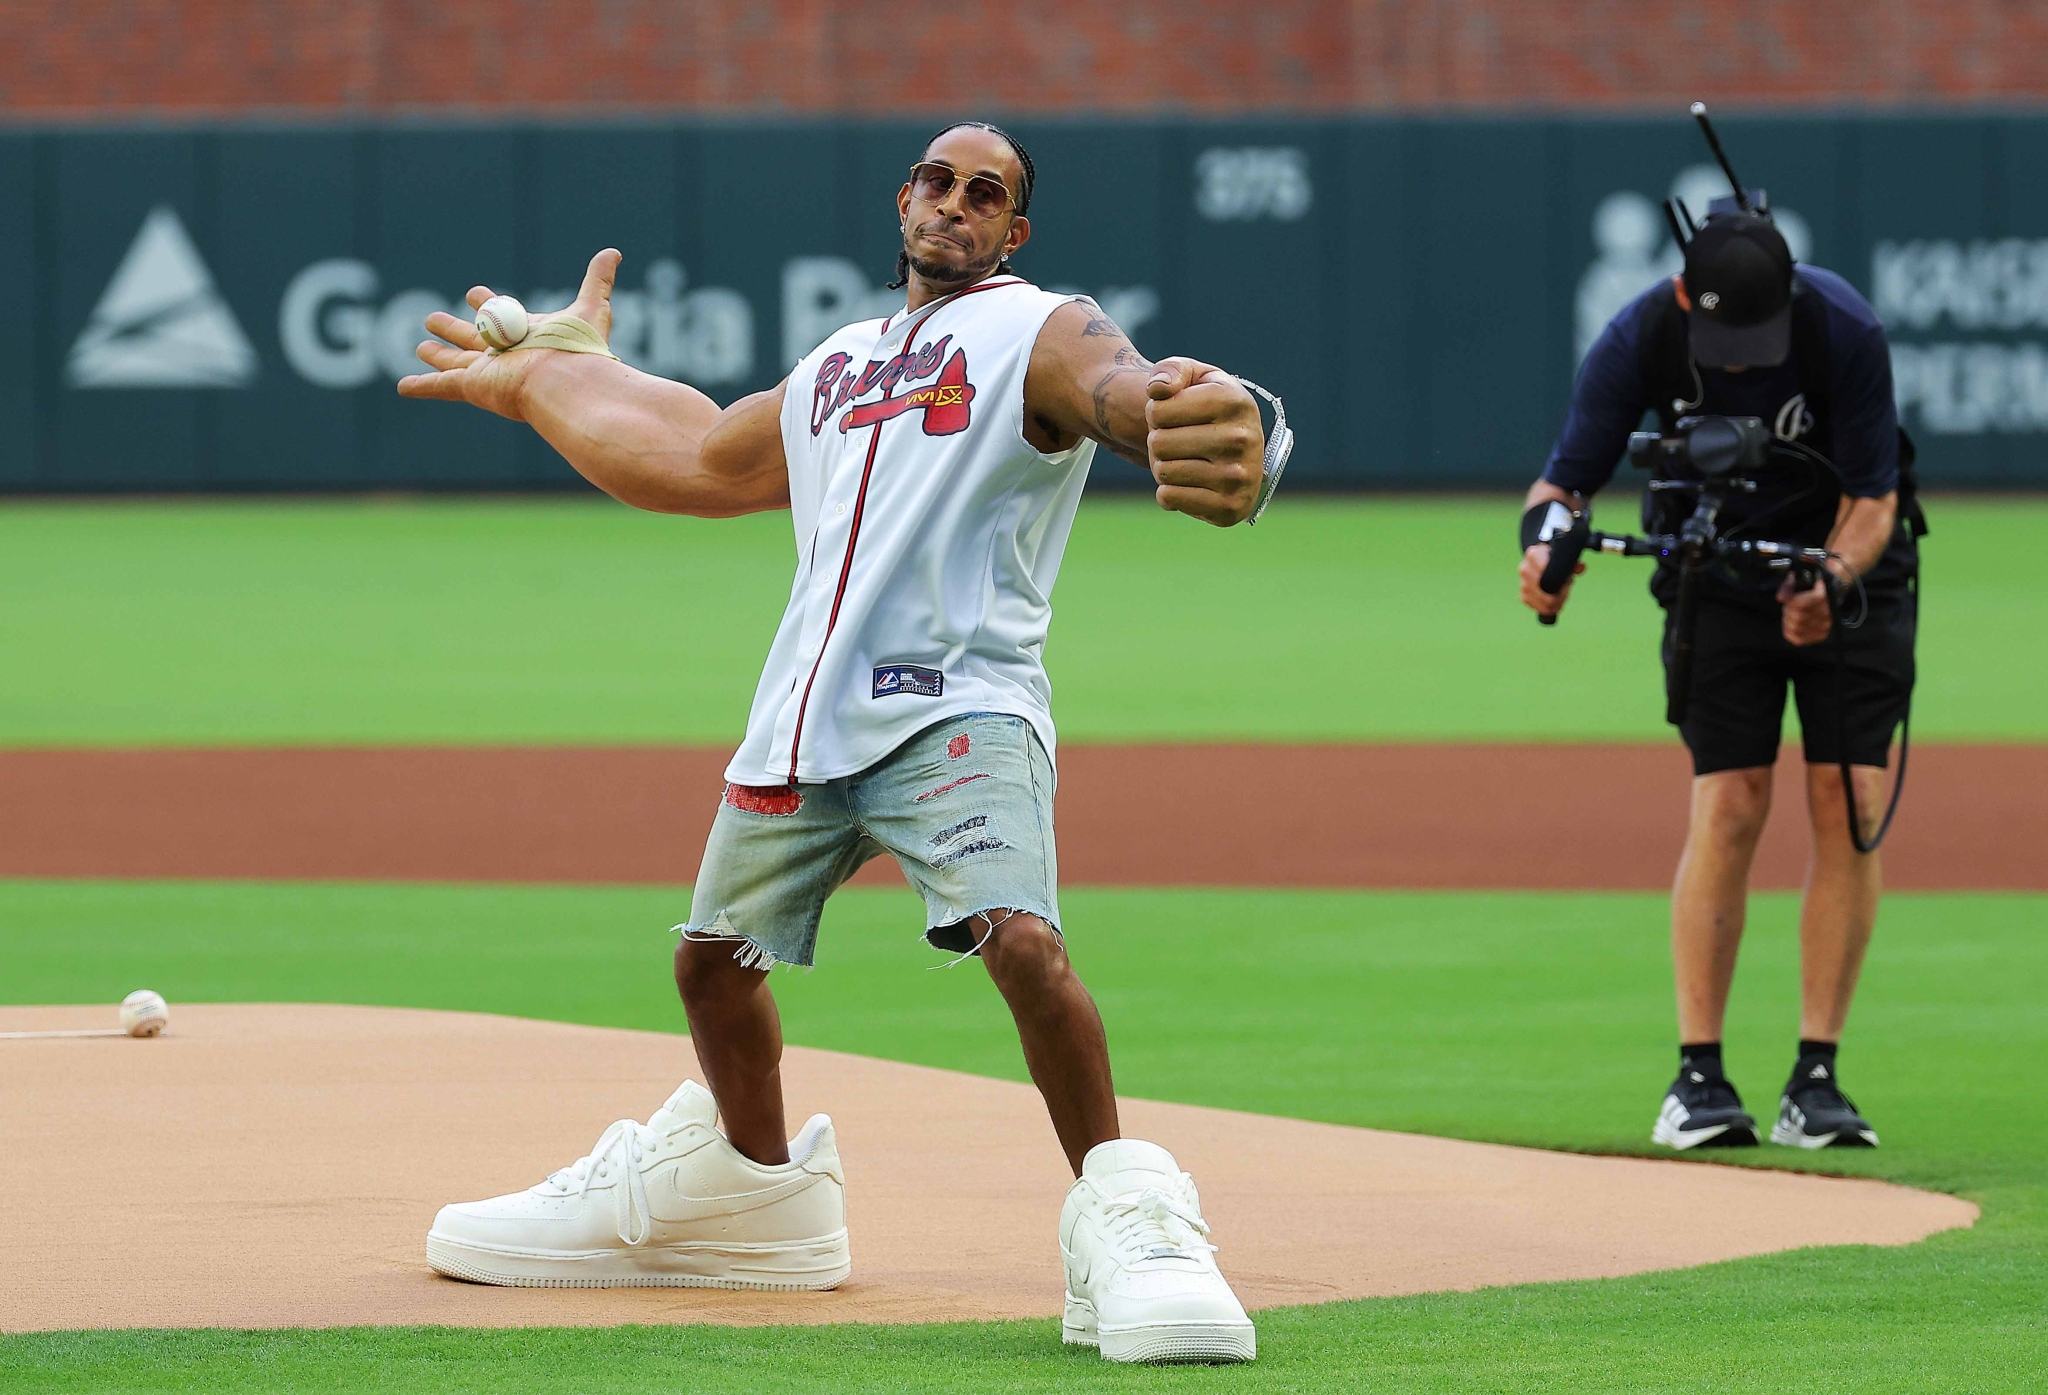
928, 534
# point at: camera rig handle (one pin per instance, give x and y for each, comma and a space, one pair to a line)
1565, 550
1803, 562
1693, 552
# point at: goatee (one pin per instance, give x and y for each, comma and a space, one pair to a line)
939, 274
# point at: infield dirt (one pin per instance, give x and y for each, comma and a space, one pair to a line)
1416, 816
278, 1165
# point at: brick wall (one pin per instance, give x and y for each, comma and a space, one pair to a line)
116, 57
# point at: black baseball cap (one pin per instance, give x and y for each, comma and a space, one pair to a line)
1738, 276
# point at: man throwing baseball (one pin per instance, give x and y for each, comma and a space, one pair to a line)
932, 462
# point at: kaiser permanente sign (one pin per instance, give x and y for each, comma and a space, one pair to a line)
228, 308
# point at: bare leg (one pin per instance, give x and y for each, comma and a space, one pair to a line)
1711, 893
738, 1036
1840, 906
1064, 1044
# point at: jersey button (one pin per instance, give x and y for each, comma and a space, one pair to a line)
839, 509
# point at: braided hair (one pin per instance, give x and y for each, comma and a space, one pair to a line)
1024, 183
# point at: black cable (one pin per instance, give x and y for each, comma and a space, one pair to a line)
1808, 455
1842, 720
1862, 595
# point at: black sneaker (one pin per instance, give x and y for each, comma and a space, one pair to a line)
1816, 1114
1703, 1111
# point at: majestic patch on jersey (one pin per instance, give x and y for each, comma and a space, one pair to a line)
891, 679
945, 403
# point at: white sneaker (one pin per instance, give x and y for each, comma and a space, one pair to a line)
667, 1202
1142, 1282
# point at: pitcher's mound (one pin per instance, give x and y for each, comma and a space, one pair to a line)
278, 1165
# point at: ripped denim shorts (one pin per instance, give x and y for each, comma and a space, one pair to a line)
965, 808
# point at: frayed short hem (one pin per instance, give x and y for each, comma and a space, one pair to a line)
988, 928
748, 952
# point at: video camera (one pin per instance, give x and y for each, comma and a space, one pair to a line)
1726, 453
1708, 446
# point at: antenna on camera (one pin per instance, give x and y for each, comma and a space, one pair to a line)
1678, 230
1699, 114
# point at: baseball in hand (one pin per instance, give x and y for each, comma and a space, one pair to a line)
501, 322
144, 1013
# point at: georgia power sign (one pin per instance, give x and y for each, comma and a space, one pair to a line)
162, 321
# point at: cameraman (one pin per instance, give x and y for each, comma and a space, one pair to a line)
1743, 332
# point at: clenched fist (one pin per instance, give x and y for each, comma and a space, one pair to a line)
1204, 441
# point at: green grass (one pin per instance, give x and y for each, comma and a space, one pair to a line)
1539, 1018
574, 621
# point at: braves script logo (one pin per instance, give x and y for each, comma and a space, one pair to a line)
945, 403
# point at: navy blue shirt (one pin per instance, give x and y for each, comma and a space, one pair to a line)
1857, 426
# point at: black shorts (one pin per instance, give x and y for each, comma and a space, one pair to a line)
1741, 664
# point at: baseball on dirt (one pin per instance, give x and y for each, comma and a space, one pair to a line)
501, 322
144, 1013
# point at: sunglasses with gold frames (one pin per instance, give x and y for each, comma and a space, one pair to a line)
985, 197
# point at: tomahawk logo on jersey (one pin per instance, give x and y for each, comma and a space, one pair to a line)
945, 404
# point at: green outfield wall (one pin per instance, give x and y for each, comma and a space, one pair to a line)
227, 307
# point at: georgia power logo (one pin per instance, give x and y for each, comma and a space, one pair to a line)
161, 321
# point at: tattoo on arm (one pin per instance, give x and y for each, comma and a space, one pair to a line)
1130, 446
1126, 362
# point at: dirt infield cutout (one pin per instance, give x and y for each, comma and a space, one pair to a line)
278, 1165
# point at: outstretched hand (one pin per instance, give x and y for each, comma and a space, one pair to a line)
1204, 441
464, 372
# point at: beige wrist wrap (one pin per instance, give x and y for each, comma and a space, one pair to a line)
566, 333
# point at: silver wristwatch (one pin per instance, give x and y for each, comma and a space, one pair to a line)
1279, 445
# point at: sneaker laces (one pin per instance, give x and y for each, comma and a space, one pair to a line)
624, 1145
1816, 1096
1154, 1225
1711, 1092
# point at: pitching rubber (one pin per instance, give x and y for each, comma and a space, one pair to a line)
807, 1265
1160, 1343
